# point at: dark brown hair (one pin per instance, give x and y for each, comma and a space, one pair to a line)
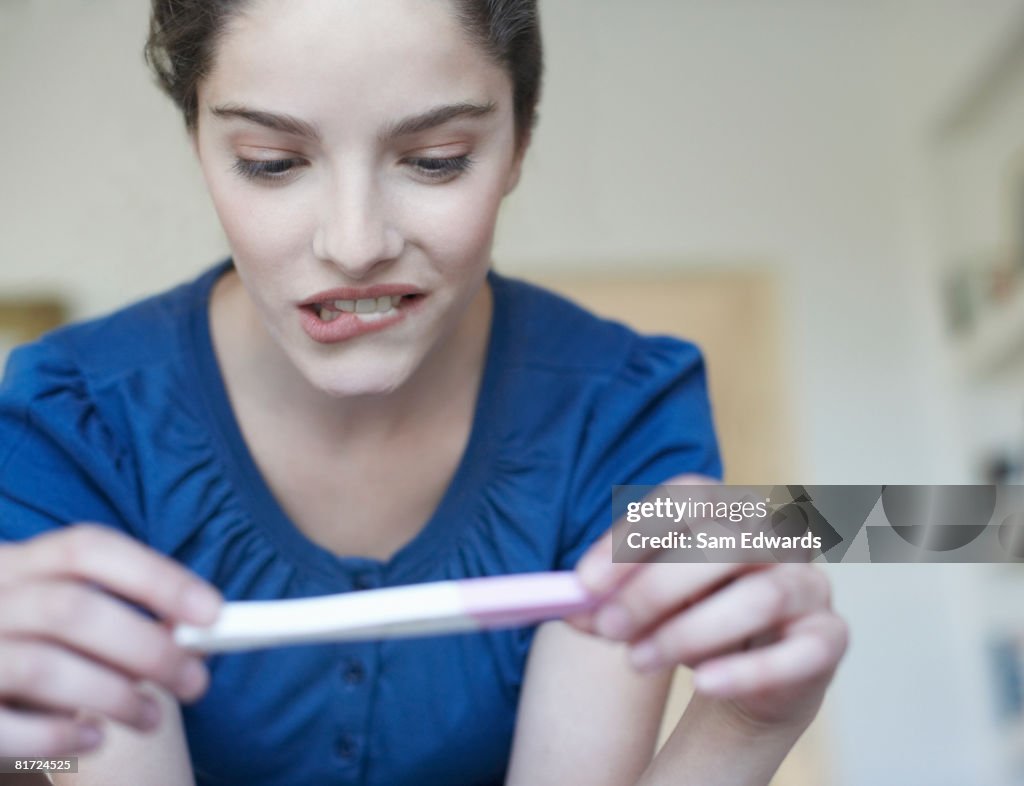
183, 38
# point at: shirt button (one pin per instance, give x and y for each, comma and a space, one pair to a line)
346, 747
353, 673
363, 581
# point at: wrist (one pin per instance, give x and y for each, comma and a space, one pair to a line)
719, 743
735, 719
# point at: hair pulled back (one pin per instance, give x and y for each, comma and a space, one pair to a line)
183, 38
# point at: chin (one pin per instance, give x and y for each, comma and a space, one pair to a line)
363, 381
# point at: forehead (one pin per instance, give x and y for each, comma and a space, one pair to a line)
351, 61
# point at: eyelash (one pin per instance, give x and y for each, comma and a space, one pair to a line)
276, 170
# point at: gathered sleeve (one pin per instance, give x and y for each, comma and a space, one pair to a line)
652, 421
59, 462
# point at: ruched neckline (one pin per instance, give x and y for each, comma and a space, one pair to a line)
441, 529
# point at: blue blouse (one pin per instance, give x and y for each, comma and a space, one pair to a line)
125, 420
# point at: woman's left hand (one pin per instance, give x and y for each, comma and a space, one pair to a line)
763, 638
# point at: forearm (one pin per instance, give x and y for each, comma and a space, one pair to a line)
128, 757
713, 745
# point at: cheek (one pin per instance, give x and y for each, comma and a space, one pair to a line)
258, 222
457, 227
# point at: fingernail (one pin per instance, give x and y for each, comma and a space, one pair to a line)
582, 621
645, 656
149, 714
89, 737
201, 604
712, 680
613, 621
596, 573
191, 679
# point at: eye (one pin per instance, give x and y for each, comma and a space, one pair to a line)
442, 168
270, 170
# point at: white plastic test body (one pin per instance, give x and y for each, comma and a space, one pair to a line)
414, 610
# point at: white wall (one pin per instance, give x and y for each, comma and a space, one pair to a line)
99, 194
788, 134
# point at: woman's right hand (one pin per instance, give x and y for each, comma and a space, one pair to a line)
71, 649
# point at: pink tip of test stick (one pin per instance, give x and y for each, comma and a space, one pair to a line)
434, 608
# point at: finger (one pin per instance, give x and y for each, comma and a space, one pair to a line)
597, 569
103, 628
26, 733
692, 479
583, 622
659, 590
598, 572
118, 563
752, 606
810, 651
46, 676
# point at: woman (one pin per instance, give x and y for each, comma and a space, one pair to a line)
356, 400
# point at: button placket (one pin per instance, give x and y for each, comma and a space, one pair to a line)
347, 747
364, 581
353, 673
355, 669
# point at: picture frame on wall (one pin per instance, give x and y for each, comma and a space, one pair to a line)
23, 320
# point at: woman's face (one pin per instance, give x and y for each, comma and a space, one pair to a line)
357, 153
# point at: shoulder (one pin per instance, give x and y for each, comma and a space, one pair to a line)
81, 408
143, 334
553, 332
606, 394
79, 382
612, 405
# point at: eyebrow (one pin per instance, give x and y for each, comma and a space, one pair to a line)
272, 120
433, 118
413, 124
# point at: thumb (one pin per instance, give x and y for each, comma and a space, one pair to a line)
598, 572
597, 569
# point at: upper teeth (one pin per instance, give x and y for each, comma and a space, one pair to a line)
368, 305
371, 305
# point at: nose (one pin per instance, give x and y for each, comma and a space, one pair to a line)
356, 232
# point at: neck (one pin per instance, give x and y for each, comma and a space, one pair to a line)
251, 361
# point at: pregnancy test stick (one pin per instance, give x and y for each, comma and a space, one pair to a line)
414, 610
